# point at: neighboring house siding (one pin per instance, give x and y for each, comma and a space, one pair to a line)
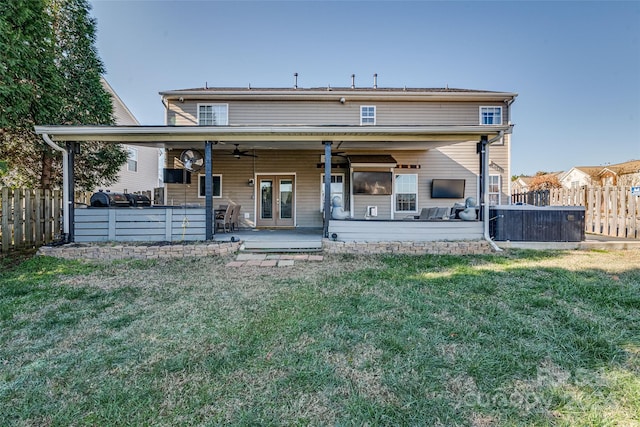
335, 113
575, 177
146, 176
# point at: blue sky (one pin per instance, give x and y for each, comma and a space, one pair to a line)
575, 65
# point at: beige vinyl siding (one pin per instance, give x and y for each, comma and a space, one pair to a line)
237, 172
499, 165
458, 161
146, 177
182, 113
362, 201
335, 113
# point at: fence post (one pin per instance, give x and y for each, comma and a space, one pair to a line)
17, 218
622, 212
6, 217
28, 217
613, 217
589, 210
633, 226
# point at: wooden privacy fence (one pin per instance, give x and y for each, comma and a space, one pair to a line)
29, 217
610, 211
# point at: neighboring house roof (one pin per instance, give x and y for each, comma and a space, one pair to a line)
632, 166
589, 170
526, 180
121, 114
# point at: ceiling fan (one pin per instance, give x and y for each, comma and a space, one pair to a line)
237, 153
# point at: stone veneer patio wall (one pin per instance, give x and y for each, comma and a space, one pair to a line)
151, 251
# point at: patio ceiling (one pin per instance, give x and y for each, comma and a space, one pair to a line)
275, 137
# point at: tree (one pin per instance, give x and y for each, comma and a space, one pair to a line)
52, 76
544, 182
86, 100
27, 78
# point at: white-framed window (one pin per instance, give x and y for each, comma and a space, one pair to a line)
132, 159
217, 186
490, 115
337, 189
494, 190
213, 114
367, 114
406, 193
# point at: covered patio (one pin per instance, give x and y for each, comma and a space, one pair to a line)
321, 140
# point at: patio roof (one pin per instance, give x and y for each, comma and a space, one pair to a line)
275, 136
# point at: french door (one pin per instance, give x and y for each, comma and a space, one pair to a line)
276, 201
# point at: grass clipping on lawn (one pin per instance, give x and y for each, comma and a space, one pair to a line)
535, 338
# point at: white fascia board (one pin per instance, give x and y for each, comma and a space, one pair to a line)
266, 133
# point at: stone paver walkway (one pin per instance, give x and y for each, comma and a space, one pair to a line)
271, 260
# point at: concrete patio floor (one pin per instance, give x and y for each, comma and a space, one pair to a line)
271, 239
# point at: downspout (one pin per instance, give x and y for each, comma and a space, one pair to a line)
65, 185
485, 189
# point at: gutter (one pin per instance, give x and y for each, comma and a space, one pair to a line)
66, 203
334, 94
485, 190
274, 132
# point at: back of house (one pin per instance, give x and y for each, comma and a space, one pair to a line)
392, 150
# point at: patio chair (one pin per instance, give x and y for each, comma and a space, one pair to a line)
235, 218
224, 221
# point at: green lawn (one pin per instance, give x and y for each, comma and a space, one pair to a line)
523, 338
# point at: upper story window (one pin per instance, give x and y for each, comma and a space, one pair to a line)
132, 159
367, 114
490, 115
213, 114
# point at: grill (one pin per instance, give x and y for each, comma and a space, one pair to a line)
103, 199
138, 200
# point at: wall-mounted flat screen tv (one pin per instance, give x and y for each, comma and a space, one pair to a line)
375, 183
447, 188
176, 176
